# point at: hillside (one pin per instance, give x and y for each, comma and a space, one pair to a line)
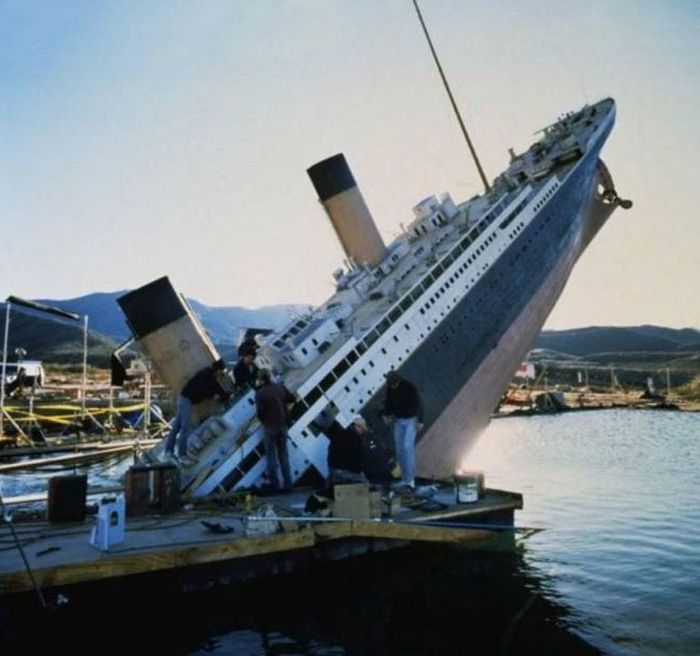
637, 347
222, 323
636, 353
588, 341
62, 341
57, 342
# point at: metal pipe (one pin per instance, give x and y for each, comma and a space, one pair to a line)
85, 347
8, 519
452, 100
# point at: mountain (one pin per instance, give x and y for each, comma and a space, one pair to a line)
61, 341
611, 339
57, 341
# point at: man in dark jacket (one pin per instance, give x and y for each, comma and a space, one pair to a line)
271, 400
203, 385
346, 452
245, 372
404, 409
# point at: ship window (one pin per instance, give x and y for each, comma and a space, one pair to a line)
422, 311
313, 396
299, 408
371, 363
383, 350
406, 303
304, 351
352, 357
363, 372
361, 348
347, 389
406, 326
354, 380
448, 260
394, 314
341, 368
384, 326
396, 339
371, 338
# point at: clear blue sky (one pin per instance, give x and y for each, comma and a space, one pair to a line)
160, 137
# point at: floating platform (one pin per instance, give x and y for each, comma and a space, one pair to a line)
254, 544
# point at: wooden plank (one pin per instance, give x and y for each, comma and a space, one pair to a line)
400, 531
455, 512
82, 446
152, 561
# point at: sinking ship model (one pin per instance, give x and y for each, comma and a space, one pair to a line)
453, 304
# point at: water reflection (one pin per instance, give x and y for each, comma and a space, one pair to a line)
421, 600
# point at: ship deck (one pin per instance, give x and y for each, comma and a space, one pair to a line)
367, 313
60, 554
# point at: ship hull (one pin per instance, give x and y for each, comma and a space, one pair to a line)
464, 366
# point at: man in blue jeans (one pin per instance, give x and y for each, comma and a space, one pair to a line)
404, 409
272, 400
203, 385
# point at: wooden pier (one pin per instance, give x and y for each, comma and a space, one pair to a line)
60, 554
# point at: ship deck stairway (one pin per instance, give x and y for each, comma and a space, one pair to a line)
227, 451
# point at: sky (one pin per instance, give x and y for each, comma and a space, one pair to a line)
148, 138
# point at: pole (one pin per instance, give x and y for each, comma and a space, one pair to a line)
482, 175
668, 381
85, 347
4, 368
147, 402
8, 519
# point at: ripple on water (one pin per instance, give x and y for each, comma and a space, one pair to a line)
619, 494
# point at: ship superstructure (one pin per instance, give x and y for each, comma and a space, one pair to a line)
453, 303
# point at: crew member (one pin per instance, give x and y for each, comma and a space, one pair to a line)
245, 372
346, 452
403, 409
271, 400
205, 384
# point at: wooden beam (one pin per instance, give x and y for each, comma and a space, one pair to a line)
400, 531
72, 458
82, 446
112, 566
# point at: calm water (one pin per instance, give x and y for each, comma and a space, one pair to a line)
618, 493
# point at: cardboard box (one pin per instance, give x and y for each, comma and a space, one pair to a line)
351, 501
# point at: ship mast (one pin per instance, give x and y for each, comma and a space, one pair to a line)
452, 100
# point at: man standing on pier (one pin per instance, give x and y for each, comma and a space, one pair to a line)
271, 400
404, 409
245, 372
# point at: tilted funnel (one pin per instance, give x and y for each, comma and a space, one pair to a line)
343, 202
